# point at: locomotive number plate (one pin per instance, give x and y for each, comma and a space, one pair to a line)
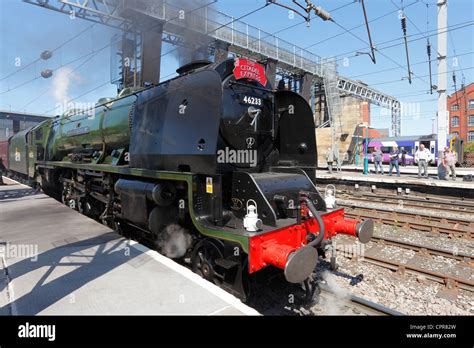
249, 100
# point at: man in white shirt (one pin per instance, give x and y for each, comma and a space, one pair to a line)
422, 157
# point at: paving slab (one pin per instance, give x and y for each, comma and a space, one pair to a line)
55, 261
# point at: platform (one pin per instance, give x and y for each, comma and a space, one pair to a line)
406, 180
55, 261
409, 169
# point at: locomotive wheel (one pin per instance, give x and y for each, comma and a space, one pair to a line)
69, 202
204, 262
64, 198
122, 228
86, 207
83, 206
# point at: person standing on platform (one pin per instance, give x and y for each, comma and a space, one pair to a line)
404, 153
422, 156
330, 159
337, 159
378, 159
449, 162
394, 156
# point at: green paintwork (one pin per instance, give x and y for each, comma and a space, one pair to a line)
154, 174
107, 125
37, 142
25, 146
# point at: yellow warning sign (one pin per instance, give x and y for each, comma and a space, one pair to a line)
208, 185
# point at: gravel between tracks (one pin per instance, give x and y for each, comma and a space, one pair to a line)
430, 239
409, 294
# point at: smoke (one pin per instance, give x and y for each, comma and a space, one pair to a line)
334, 305
193, 15
174, 241
184, 18
62, 80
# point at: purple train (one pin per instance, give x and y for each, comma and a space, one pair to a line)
410, 145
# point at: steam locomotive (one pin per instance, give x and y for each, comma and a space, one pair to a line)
213, 167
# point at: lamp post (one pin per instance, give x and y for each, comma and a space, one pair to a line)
366, 157
357, 150
358, 138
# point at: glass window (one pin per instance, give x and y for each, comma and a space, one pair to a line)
455, 107
454, 121
408, 149
471, 104
470, 120
470, 136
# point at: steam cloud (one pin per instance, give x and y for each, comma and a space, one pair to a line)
334, 305
62, 82
174, 241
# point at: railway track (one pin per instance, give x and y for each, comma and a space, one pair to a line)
457, 227
448, 280
357, 304
430, 203
421, 248
458, 277
425, 214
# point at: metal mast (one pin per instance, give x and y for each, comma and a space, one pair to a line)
442, 74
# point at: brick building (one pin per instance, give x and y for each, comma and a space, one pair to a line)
461, 113
355, 116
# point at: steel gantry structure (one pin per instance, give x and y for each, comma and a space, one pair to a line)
228, 34
361, 90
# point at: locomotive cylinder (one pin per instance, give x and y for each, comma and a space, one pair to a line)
136, 193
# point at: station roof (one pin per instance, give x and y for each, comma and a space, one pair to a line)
22, 116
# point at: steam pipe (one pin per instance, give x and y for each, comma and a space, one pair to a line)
320, 237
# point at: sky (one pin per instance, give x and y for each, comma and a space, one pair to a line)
81, 56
